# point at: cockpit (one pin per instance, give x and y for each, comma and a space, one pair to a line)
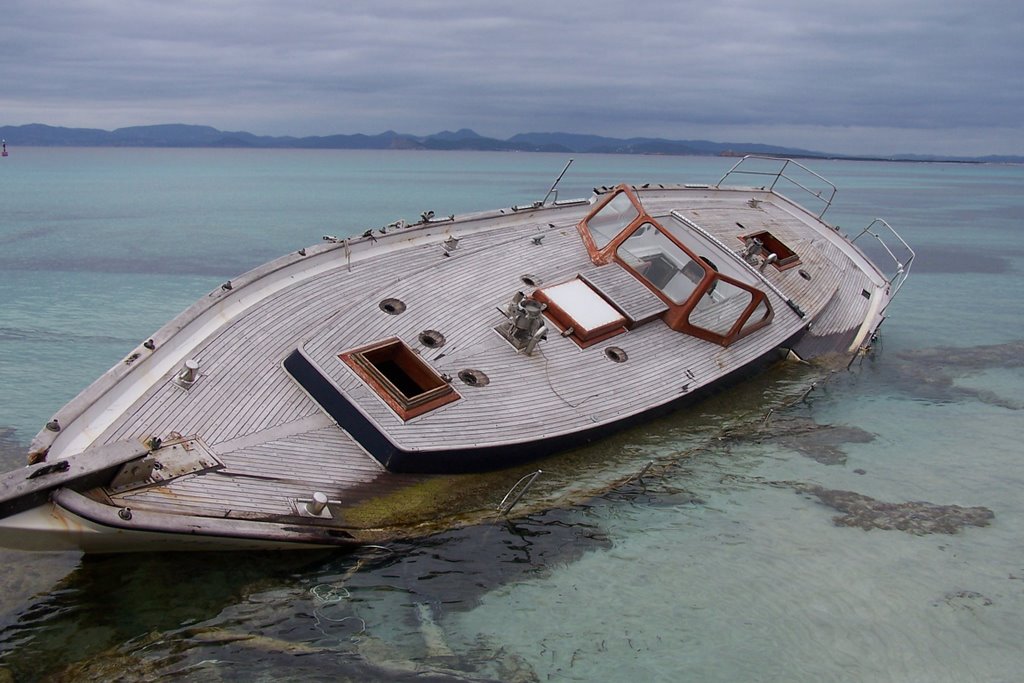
710, 298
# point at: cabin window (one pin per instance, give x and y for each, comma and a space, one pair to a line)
712, 301
719, 309
611, 219
400, 377
770, 244
662, 263
761, 315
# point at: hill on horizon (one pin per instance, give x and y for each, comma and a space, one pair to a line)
188, 135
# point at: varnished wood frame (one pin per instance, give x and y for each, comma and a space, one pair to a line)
606, 255
563, 320
678, 314
678, 317
792, 260
405, 407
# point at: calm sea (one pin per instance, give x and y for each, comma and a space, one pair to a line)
840, 539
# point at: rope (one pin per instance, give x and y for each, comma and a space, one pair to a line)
326, 595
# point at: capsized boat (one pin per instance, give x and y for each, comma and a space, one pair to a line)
272, 409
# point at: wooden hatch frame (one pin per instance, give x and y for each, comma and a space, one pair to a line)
678, 315
786, 258
400, 377
566, 318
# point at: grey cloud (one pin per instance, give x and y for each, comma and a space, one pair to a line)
641, 68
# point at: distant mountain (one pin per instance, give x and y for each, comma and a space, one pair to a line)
460, 134
182, 135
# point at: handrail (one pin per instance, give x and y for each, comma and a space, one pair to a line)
902, 272
780, 174
740, 260
897, 279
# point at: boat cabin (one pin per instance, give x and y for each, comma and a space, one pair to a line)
712, 299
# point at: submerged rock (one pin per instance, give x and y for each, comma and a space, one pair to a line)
932, 373
915, 517
820, 442
967, 600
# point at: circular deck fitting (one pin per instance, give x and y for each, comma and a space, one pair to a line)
617, 354
474, 378
432, 339
392, 306
530, 280
804, 274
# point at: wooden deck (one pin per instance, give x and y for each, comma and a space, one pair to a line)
278, 446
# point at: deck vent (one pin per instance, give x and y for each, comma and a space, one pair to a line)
474, 378
400, 377
616, 354
392, 306
432, 339
317, 505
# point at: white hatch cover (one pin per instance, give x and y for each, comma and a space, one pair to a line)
574, 304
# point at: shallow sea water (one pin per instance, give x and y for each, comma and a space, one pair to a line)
721, 564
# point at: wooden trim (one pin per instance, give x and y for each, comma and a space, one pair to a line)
606, 255
773, 245
678, 318
566, 320
591, 339
677, 315
373, 364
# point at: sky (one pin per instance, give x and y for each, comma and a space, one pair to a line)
851, 77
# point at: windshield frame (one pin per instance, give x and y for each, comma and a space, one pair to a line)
680, 309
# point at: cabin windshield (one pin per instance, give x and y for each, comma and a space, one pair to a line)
611, 219
723, 304
661, 262
717, 300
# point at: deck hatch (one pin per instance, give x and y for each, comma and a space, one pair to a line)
624, 291
580, 312
400, 377
764, 244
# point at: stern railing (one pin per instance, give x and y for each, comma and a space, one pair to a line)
779, 169
799, 176
902, 261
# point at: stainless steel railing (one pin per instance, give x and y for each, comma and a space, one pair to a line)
780, 169
902, 261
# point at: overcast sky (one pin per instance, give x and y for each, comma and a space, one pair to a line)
857, 76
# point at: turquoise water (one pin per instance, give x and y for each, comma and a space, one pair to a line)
725, 565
